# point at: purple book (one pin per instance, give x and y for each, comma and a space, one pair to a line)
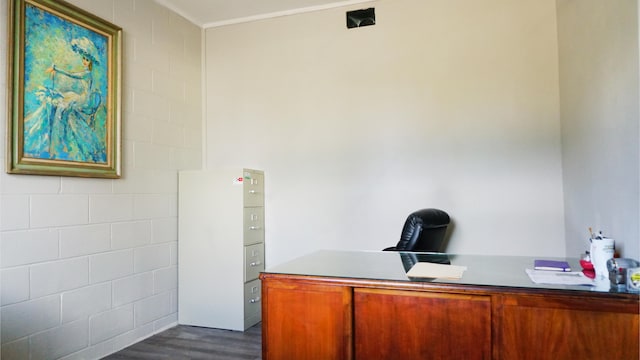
553, 265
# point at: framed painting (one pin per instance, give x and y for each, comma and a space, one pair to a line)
64, 91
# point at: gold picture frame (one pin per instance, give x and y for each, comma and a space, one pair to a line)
64, 92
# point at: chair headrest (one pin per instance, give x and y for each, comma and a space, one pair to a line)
432, 217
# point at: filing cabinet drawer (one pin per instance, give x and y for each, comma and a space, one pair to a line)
252, 302
253, 261
253, 225
253, 189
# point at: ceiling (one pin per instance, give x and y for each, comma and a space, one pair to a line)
211, 13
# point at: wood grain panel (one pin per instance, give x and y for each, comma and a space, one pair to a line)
538, 328
306, 321
391, 324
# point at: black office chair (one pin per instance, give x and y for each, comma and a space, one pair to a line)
424, 231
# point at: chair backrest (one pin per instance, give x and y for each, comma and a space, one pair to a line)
424, 230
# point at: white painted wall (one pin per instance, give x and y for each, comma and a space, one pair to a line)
446, 104
89, 266
598, 42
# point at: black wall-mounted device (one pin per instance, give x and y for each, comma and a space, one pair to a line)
358, 18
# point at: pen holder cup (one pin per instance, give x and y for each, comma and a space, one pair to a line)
601, 251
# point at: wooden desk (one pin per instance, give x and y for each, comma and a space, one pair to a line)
361, 305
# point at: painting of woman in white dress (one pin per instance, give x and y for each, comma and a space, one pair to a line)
67, 92
65, 115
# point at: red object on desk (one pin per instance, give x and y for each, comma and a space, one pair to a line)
587, 269
586, 265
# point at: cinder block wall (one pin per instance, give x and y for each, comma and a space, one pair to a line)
89, 266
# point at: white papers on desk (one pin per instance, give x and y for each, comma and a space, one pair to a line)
558, 277
438, 271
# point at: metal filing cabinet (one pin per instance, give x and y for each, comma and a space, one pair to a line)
220, 247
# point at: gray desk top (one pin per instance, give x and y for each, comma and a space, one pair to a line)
482, 270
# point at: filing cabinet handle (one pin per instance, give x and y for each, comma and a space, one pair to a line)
252, 191
253, 301
254, 227
255, 263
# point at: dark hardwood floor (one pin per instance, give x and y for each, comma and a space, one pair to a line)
190, 342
